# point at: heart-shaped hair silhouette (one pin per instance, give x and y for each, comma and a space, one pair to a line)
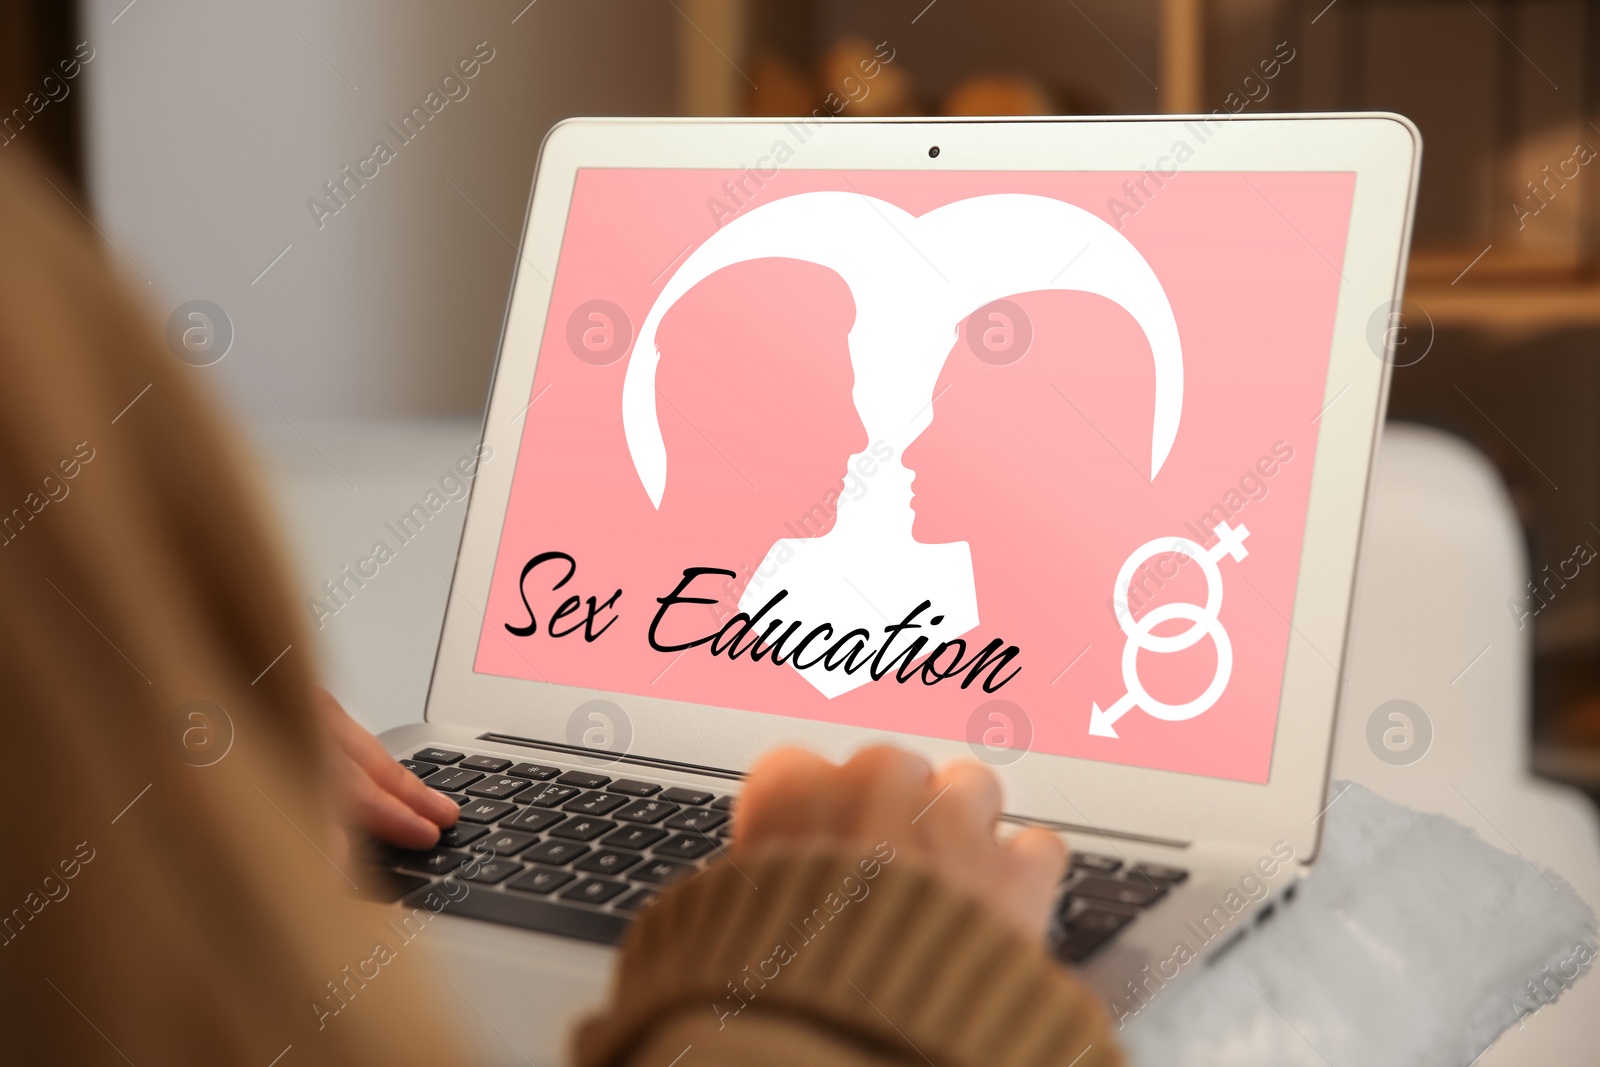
906, 271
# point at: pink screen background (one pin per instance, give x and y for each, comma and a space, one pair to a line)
1042, 465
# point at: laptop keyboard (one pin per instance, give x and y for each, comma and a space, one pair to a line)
1100, 896
561, 851
578, 853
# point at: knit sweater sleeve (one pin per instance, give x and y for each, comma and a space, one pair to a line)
841, 956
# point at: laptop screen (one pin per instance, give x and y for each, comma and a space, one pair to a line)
1020, 459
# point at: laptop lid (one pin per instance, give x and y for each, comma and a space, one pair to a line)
1041, 441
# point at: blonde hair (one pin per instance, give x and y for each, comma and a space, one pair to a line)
171, 910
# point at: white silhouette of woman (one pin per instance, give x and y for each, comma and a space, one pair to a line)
914, 279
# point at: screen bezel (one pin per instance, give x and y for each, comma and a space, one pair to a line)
1382, 150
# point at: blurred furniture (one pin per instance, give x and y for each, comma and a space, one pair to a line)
1504, 92
1441, 554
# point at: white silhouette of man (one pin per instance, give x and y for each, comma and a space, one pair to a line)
753, 395
913, 278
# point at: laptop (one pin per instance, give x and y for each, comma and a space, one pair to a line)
1041, 442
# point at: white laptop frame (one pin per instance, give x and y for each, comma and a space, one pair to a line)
1382, 150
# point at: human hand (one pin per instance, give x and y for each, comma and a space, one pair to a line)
379, 795
943, 820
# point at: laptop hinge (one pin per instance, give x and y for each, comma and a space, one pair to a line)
1095, 831
605, 756
602, 755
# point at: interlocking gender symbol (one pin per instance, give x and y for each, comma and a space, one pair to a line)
1203, 622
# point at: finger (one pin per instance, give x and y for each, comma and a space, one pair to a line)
353, 739
1036, 861
1040, 852
368, 753
787, 793
783, 760
887, 790
384, 816
969, 797
413, 792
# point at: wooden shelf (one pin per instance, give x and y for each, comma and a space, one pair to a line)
1503, 288
1520, 308
1496, 263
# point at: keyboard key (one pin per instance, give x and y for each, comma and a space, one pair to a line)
499, 788
594, 803
453, 779
555, 853
461, 799
594, 891
418, 767
583, 779
1156, 872
607, 861
486, 810
550, 795
1139, 894
490, 872
634, 837
689, 797
637, 899
659, 872
1091, 861
723, 803
686, 847
700, 820
437, 755
528, 911
492, 764
633, 788
582, 828
505, 843
462, 833
1087, 931
532, 820
433, 861
537, 771
540, 880
647, 811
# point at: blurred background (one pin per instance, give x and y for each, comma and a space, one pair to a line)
200, 138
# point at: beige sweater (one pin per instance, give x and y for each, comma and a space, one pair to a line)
839, 956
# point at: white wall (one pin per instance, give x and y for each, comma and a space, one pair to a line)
211, 124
